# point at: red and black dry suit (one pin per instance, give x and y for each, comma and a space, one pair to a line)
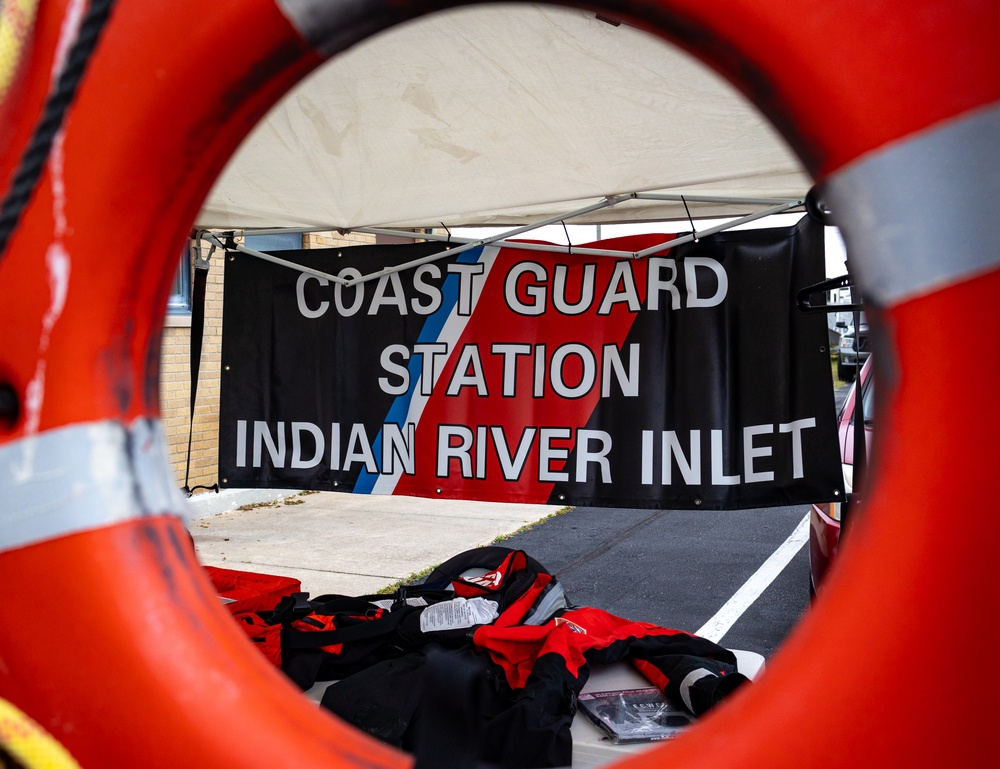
547, 667
519, 708
503, 693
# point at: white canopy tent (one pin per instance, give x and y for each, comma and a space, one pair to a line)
506, 115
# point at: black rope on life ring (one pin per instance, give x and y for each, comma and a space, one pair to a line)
32, 163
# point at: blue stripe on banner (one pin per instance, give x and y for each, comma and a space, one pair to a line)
430, 332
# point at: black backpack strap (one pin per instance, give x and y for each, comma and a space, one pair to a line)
290, 608
299, 605
384, 625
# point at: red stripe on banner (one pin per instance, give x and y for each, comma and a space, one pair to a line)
463, 433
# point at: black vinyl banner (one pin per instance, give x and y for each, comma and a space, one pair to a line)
687, 379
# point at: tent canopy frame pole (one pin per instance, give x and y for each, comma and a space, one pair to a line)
781, 207
776, 207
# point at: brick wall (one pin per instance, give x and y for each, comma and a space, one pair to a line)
175, 372
175, 385
334, 239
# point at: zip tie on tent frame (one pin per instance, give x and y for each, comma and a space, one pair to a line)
569, 243
501, 239
687, 211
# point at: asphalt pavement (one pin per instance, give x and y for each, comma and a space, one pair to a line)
677, 568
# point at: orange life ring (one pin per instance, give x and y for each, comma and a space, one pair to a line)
894, 107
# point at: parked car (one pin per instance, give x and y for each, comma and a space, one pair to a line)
852, 350
825, 518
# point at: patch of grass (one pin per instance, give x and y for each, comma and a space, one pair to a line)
530, 526
277, 502
307, 492
256, 505
837, 381
417, 575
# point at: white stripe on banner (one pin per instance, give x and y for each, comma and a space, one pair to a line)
451, 332
726, 617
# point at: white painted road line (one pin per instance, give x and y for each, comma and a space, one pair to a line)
726, 617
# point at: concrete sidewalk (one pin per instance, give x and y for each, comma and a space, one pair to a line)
350, 544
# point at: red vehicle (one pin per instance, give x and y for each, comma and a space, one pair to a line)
825, 518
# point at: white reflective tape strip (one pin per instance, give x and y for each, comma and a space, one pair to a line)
83, 477
921, 215
689, 681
